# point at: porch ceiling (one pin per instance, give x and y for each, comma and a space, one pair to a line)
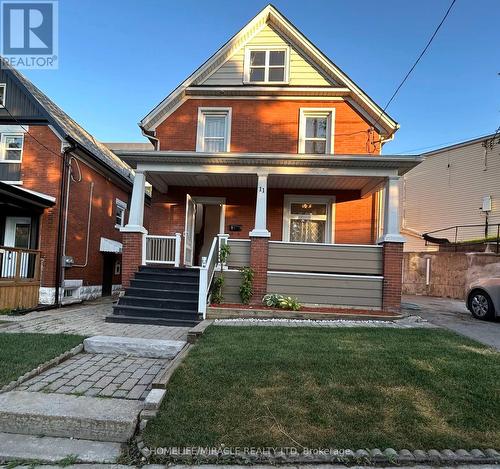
163, 180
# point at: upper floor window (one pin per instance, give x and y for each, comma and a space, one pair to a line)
3, 88
316, 130
214, 130
120, 213
269, 65
12, 148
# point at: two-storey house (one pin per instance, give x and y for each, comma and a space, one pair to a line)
63, 199
270, 147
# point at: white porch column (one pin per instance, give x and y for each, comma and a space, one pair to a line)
136, 213
260, 229
391, 212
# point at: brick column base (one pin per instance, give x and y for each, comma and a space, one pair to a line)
131, 256
393, 276
259, 250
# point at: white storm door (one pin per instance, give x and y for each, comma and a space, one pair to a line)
189, 231
17, 235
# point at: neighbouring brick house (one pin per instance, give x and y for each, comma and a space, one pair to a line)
63, 198
270, 147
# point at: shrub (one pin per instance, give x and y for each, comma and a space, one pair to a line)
216, 294
279, 301
246, 287
272, 300
290, 303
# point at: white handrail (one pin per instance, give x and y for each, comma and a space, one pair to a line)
206, 275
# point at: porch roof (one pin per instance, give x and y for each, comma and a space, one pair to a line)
158, 161
26, 198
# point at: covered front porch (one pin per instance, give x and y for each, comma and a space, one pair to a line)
323, 229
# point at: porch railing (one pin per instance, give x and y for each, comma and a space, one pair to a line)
162, 249
207, 272
19, 277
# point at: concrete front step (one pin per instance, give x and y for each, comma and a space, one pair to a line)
152, 312
16, 447
135, 347
61, 415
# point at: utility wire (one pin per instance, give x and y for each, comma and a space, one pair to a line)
31, 135
416, 61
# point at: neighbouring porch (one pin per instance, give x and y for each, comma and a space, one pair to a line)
322, 229
20, 259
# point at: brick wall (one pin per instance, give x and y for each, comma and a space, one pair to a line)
393, 276
354, 217
259, 253
41, 171
267, 126
132, 256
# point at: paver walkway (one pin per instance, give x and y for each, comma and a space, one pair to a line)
87, 320
99, 375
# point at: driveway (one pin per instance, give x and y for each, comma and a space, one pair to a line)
453, 315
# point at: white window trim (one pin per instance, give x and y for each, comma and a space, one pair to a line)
3, 143
200, 133
120, 205
4, 86
320, 112
246, 66
330, 214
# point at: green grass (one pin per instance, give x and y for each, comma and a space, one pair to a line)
20, 353
332, 388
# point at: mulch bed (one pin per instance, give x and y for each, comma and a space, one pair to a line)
308, 309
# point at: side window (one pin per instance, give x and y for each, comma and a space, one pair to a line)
120, 208
3, 89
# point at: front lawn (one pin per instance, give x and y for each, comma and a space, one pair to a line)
332, 388
20, 353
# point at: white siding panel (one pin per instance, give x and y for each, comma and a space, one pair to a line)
447, 189
302, 73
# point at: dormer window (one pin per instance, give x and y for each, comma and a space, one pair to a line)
266, 65
3, 87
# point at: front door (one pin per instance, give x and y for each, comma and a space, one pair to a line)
189, 231
17, 235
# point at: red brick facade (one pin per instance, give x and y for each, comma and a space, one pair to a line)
393, 276
132, 256
41, 171
267, 126
259, 252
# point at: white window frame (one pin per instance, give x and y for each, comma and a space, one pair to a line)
4, 148
267, 49
200, 133
306, 112
329, 201
4, 86
120, 206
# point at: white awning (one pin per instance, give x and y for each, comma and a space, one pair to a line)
109, 245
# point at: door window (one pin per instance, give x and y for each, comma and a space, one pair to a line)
307, 220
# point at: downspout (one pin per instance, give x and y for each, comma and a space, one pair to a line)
150, 135
60, 228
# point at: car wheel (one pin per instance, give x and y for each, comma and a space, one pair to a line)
480, 305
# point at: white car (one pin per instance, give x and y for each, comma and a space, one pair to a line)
483, 298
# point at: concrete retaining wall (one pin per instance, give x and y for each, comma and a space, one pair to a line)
450, 273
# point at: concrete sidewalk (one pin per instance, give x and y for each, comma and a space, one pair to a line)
453, 315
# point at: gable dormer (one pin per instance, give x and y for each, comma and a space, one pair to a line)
268, 59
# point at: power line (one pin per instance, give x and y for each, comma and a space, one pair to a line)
416, 61
31, 135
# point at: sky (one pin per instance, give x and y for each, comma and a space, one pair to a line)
119, 58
